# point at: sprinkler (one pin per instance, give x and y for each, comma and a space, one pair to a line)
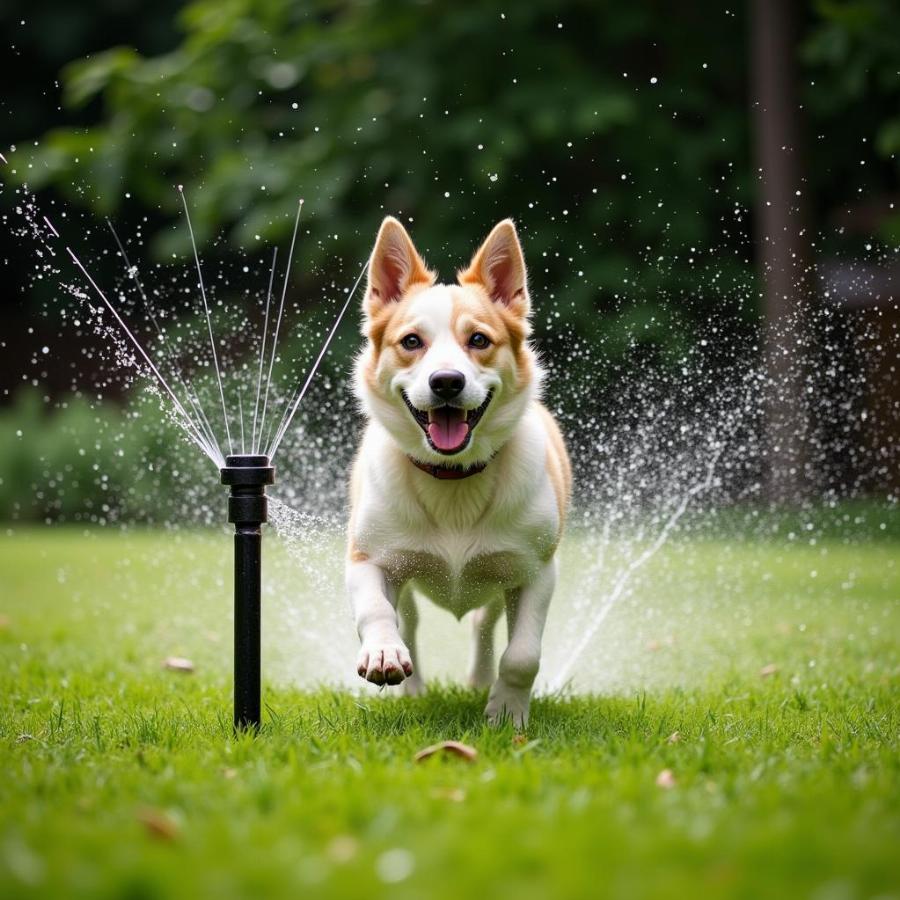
247, 476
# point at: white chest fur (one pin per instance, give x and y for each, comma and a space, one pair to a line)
459, 542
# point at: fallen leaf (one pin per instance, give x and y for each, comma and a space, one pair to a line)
23, 738
158, 824
768, 670
519, 739
178, 664
464, 751
455, 795
343, 848
673, 738
229, 773
527, 747
4, 622
667, 641
665, 779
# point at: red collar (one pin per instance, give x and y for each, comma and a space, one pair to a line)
435, 470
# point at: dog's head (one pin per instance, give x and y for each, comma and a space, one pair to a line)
448, 370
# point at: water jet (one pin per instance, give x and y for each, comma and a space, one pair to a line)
246, 473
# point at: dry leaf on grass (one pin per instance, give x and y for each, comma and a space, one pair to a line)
673, 738
158, 824
342, 849
667, 641
4, 622
665, 779
454, 795
464, 751
768, 670
178, 664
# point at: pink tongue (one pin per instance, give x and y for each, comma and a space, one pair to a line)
449, 429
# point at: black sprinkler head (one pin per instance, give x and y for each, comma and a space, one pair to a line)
247, 475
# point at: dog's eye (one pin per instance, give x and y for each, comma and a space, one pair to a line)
479, 341
411, 342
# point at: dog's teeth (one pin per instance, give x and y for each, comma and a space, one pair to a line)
465, 415
430, 415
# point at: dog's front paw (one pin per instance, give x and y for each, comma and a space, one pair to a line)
384, 663
508, 704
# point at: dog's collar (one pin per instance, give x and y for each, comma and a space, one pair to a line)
435, 470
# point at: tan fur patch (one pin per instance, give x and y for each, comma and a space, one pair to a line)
355, 555
558, 466
474, 310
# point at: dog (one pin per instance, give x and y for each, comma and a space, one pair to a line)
461, 483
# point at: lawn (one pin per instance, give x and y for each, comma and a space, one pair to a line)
760, 677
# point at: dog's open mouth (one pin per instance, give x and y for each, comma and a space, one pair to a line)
448, 428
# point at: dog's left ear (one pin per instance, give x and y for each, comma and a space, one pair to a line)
499, 267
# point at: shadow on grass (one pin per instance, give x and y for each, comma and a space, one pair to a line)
454, 712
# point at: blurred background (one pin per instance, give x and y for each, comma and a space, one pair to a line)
684, 177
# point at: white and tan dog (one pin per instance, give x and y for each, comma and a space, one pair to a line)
461, 483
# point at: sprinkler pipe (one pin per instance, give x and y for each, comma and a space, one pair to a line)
247, 475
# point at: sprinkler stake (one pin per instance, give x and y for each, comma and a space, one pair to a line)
247, 476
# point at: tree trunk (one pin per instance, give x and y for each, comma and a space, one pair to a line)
783, 249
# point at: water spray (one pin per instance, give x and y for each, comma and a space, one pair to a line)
246, 473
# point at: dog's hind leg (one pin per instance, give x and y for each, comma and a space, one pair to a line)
484, 621
408, 614
526, 614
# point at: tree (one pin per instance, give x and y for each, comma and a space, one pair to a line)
784, 248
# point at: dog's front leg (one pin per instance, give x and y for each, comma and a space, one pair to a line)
383, 657
526, 613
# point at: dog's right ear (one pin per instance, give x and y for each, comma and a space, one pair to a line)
395, 266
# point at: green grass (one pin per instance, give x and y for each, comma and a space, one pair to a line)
785, 786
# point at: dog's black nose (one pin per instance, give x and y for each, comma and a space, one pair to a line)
447, 383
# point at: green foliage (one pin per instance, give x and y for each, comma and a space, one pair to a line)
122, 779
87, 462
51, 464
542, 111
854, 58
617, 135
